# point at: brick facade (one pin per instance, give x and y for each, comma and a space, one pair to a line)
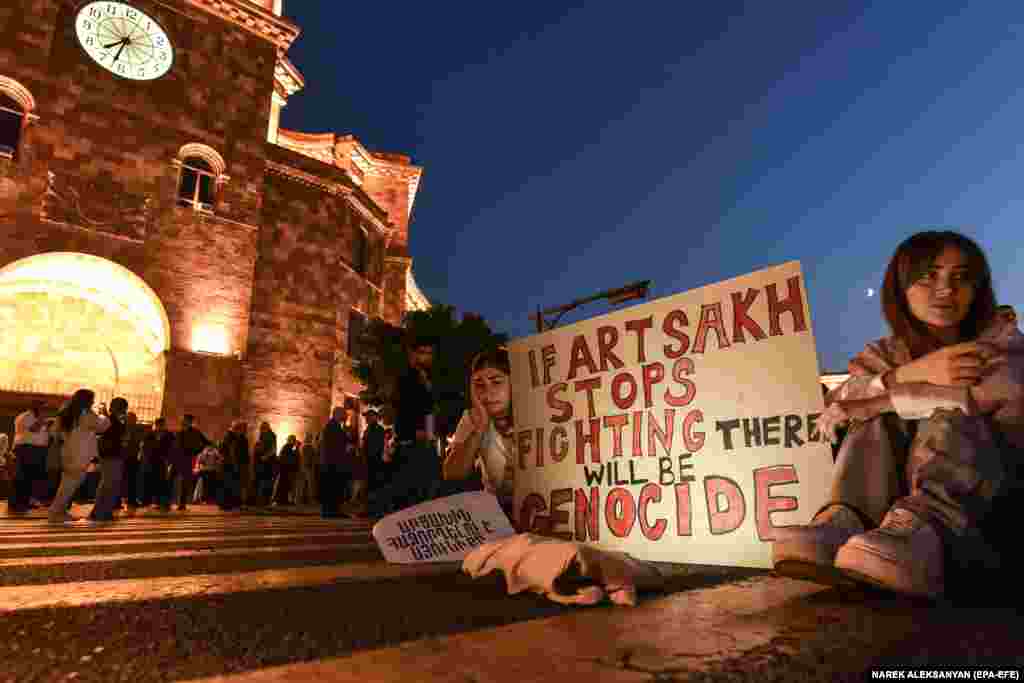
271, 271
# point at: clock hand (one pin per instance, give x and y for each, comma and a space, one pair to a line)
120, 50
107, 47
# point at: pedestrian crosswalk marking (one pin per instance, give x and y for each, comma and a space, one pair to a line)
83, 593
177, 554
163, 540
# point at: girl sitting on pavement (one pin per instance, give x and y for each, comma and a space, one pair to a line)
936, 413
482, 445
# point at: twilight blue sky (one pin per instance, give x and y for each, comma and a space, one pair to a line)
574, 147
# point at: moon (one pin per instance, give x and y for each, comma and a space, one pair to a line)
870, 292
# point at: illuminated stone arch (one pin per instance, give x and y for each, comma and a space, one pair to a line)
207, 154
69, 320
19, 93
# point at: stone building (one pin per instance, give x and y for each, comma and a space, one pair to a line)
162, 238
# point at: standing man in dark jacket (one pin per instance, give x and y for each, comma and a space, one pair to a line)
373, 447
130, 449
336, 445
235, 450
111, 451
417, 467
189, 444
156, 459
264, 452
288, 467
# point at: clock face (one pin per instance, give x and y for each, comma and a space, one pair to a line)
124, 40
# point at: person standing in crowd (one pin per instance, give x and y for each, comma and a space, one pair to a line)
288, 468
157, 447
189, 443
482, 449
235, 451
209, 467
417, 467
53, 458
373, 447
4, 472
132, 446
263, 454
31, 444
111, 445
359, 476
79, 425
936, 419
335, 447
309, 466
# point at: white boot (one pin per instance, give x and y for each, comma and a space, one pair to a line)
904, 554
809, 552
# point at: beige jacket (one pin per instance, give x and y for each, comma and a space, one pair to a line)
80, 445
1000, 394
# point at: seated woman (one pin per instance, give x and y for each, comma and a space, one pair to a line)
482, 444
936, 415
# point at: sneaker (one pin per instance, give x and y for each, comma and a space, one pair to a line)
904, 555
809, 552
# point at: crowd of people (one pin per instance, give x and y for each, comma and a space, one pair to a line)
104, 455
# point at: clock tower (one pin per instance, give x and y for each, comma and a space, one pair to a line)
160, 238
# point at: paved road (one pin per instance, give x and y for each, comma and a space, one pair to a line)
192, 596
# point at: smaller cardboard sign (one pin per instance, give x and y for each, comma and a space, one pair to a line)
442, 530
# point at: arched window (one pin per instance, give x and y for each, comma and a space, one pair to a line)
197, 184
12, 119
201, 175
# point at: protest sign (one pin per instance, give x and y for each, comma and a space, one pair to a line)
680, 430
442, 530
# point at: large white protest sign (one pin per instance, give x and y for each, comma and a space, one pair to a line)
442, 530
680, 430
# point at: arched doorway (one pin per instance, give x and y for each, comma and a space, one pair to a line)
70, 320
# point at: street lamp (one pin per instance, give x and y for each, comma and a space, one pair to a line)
636, 290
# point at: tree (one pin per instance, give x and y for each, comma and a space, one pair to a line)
382, 358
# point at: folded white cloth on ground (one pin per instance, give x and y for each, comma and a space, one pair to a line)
565, 572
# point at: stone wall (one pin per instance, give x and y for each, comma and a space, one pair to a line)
303, 291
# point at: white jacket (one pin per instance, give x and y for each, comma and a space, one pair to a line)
80, 446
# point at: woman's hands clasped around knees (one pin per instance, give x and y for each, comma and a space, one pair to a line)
839, 413
960, 365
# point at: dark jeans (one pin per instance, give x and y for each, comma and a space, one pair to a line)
108, 492
417, 478
156, 488
181, 480
211, 486
130, 483
333, 480
285, 483
30, 467
229, 495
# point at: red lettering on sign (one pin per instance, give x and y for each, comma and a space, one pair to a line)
587, 514
764, 479
651, 532
672, 326
728, 519
620, 512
